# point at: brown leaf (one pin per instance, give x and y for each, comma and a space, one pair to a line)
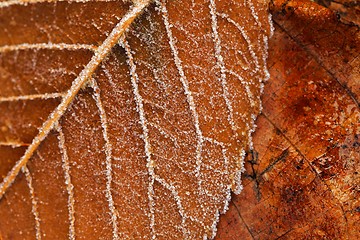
112, 131
348, 10
302, 180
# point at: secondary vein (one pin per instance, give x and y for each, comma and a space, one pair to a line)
83, 77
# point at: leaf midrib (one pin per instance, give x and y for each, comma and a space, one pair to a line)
99, 55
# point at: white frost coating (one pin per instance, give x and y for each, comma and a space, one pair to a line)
220, 63
185, 84
177, 198
143, 122
249, 94
34, 204
77, 84
214, 224
252, 128
253, 13
26, 2
13, 144
164, 133
245, 36
228, 195
272, 28
267, 74
189, 97
68, 183
227, 200
108, 154
213, 141
110, 79
52, 46
161, 107
265, 56
237, 176
32, 97
266, 71
252, 125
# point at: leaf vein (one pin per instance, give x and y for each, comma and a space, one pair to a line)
34, 203
69, 185
143, 122
52, 46
108, 153
220, 63
77, 84
32, 97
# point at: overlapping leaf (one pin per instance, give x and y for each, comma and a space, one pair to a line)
302, 180
118, 131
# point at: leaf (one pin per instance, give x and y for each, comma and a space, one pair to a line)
348, 10
126, 120
302, 181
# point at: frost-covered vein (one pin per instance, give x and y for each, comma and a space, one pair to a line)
146, 101
246, 67
223, 147
251, 128
110, 78
143, 122
253, 13
185, 84
32, 97
68, 183
250, 45
177, 199
108, 153
164, 133
245, 36
13, 144
25, 2
34, 204
213, 141
228, 187
51, 46
83, 77
220, 63
245, 84
226, 163
265, 56
188, 172
189, 97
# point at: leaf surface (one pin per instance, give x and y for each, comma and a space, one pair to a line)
126, 120
302, 180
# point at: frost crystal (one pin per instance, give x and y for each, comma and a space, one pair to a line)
152, 105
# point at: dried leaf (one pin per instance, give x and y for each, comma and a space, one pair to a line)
348, 10
302, 180
126, 120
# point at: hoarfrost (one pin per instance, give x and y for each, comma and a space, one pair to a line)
176, 96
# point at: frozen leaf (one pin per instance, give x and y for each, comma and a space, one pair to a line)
126, 119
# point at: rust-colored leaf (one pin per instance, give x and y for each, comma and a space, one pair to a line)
348, 10
302, 180
126, 119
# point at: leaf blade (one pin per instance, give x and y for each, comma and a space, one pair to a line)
48, 125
